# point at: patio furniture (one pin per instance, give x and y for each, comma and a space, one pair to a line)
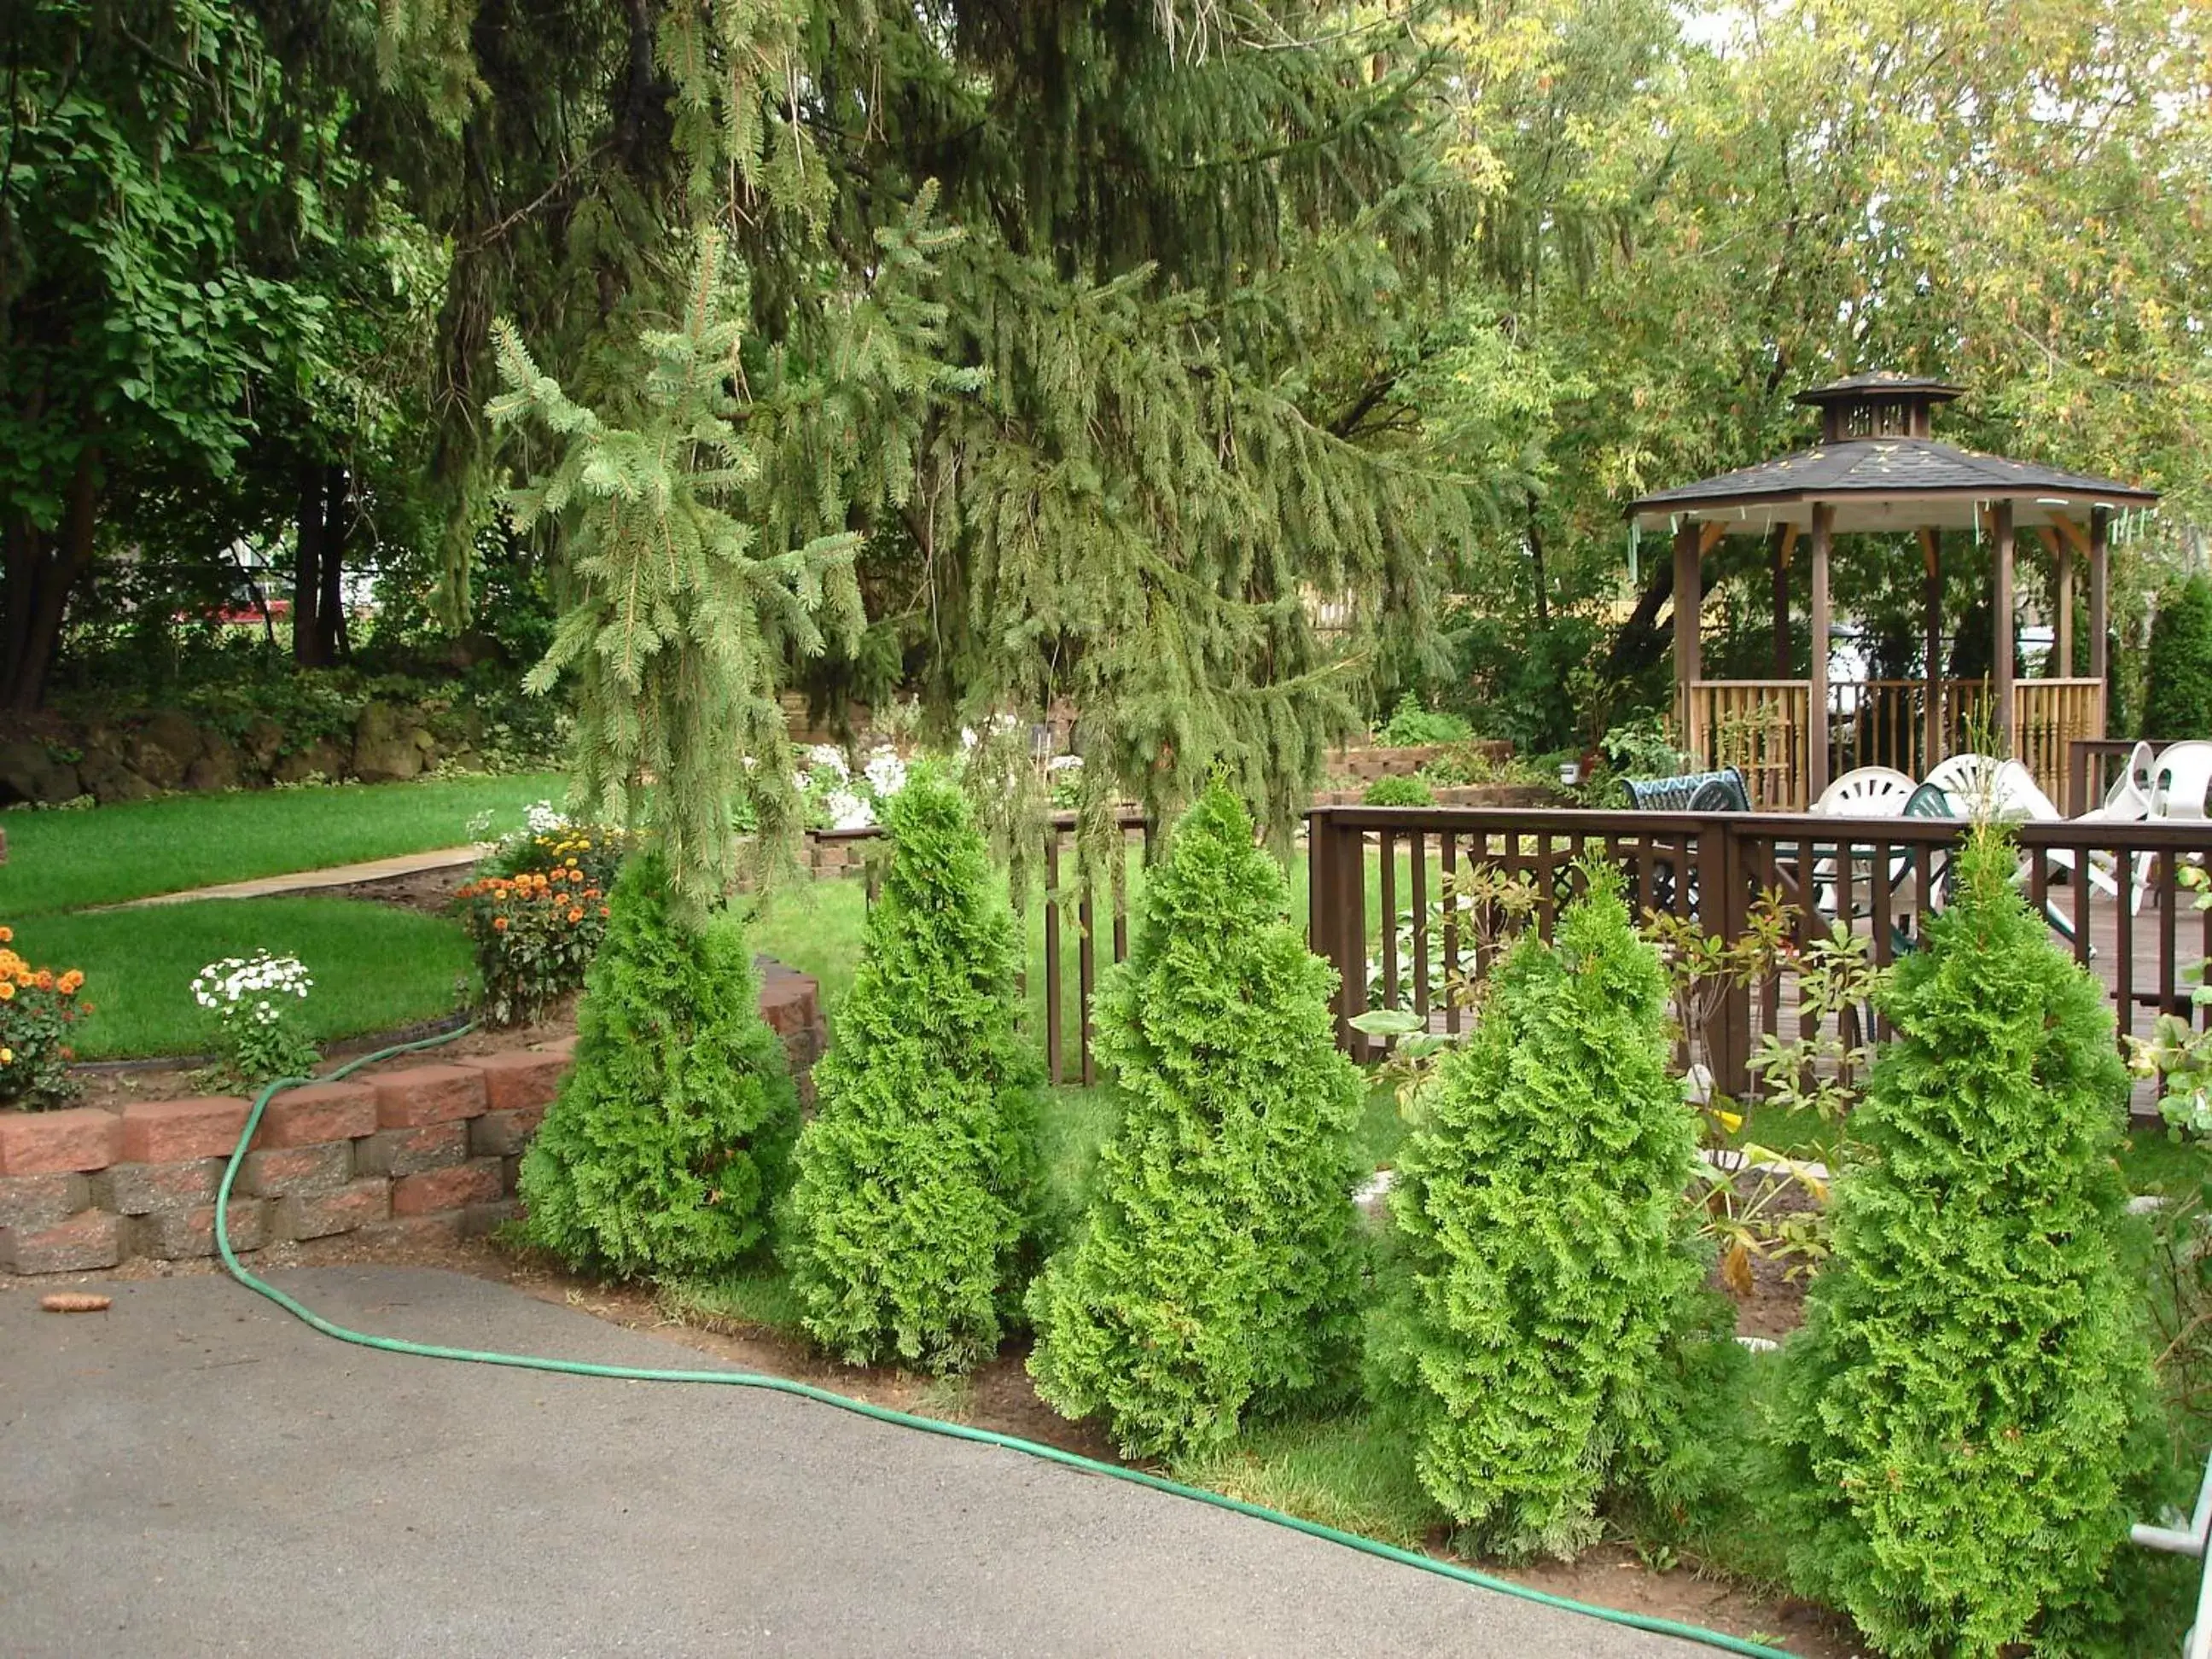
2179, 779
1696, 791
1870, 792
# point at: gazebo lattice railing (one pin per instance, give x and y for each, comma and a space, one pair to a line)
1876, 470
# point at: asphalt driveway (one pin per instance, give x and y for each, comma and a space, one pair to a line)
195, 1471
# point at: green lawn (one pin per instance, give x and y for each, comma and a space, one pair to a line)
375, 967
66, 860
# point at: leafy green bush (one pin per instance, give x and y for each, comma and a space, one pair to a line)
1214, 1277
1398, 792
2178, 690
913, 1211
1411, 726
1954, 1430
671, 1133
1546, 1339
537, 912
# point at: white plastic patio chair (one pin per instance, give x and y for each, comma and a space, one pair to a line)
1983, 785
1869, 791
2179, 779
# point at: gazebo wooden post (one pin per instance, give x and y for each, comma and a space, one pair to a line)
1689, 599
2000, 676
1931, 604
2062, 554
1816, 659
1777, 555
2100, 525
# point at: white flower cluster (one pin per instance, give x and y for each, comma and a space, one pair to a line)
543, 818
850, 801
241, 984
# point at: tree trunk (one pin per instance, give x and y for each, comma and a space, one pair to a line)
42, 568
1641, 642
331, 641
307, 572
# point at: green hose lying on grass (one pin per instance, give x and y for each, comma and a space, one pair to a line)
884, 1414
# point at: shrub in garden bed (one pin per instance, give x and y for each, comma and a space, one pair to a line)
913, 1212
672, 1131
1958, 1428
255, 1003
37, 1007
1546, 1340
1398, 792
1214, 1278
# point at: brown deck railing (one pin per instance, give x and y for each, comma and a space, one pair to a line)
1065, 903
1372, 863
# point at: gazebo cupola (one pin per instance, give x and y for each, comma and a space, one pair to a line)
1878, 469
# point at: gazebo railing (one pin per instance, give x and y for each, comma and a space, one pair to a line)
1761, 726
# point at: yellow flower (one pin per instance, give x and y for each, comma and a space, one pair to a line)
7, 1056
7, 990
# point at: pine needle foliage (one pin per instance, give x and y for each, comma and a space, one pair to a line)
1214, 1280
672, 1134
1956, 1426
702, 575
913, 1217
1546, 1341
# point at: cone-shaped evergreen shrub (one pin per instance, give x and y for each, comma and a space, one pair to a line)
1546, 1339
2178, 686
672, 1134
1214, 1277
913, 1211
1954, 1423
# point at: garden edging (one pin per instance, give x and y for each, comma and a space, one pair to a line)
420, 1145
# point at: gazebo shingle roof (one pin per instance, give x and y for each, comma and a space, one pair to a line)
1861, 471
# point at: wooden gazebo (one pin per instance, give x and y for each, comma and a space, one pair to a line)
1877, 471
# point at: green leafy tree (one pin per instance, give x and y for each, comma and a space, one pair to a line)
672, 1132
1214, 1278
1547, 1339
2177, 687
913, 1212
1955, 1427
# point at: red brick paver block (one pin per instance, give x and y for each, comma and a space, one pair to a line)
410, 1152
177, 1235
503, 1134
34, 1203
477, 1181
94, 1239
318, 1215
54, 1142
519, 1080
427, 1094
171, 1131
296, 1171
143, 1188
319, 1113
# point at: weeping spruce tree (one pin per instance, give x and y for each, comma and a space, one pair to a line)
668, 1140
1957, 1428
1214, 1278
913, 1212
1546, 1341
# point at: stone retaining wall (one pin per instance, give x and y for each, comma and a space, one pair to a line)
431, 1146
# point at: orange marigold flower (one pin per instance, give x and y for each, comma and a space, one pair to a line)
71, 981
499, 924
591, 892
576, 915
26, 978
602, 909
7, 990
7, 936
45, 979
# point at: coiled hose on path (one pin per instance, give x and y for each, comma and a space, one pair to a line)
237, 1270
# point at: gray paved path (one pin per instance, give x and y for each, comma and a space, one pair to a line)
195, 1471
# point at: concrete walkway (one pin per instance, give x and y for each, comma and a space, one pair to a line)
307, 881
195, 1471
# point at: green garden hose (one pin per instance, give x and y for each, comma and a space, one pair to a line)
237, 1270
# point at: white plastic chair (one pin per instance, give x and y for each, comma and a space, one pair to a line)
2179, 780
1870, 792
1982, 784
2128, 801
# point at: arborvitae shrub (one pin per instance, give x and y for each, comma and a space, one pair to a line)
913, 1212
670, 1135
1546, 1339
1955, 1423
2178, 688
1214, 1277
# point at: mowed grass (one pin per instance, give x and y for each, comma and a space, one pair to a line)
67, 860
375, 967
